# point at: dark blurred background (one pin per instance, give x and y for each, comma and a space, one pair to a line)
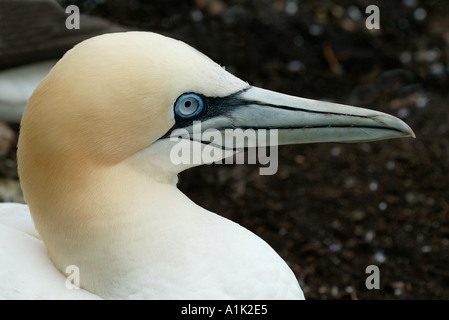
331, 209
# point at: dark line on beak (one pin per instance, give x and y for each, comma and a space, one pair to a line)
319, 127
259, 103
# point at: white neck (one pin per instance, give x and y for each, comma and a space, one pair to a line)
133, 234
130, 229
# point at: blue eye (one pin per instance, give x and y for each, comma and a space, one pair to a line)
188, 105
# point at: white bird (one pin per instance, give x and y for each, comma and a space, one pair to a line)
95, 168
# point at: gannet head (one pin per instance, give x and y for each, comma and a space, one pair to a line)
115, 95
101, 122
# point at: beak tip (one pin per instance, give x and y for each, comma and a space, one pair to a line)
398, 124
408, 131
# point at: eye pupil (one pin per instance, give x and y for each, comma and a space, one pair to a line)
188, 104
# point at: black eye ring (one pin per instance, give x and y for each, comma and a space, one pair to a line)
189, 105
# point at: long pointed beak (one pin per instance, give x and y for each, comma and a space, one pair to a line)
302, 120
297, 120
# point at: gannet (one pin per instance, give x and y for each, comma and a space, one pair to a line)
95, 168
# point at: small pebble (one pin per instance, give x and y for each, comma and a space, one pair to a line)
295, 66
390, 165
379, 256
405, 57
335, 151
403, 113
437, 70
373, 186
315, 30
354, 13
382, 206
196, 15
291, 8
369, 235
420, 14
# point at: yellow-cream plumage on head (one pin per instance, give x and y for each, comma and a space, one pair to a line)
94, 165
